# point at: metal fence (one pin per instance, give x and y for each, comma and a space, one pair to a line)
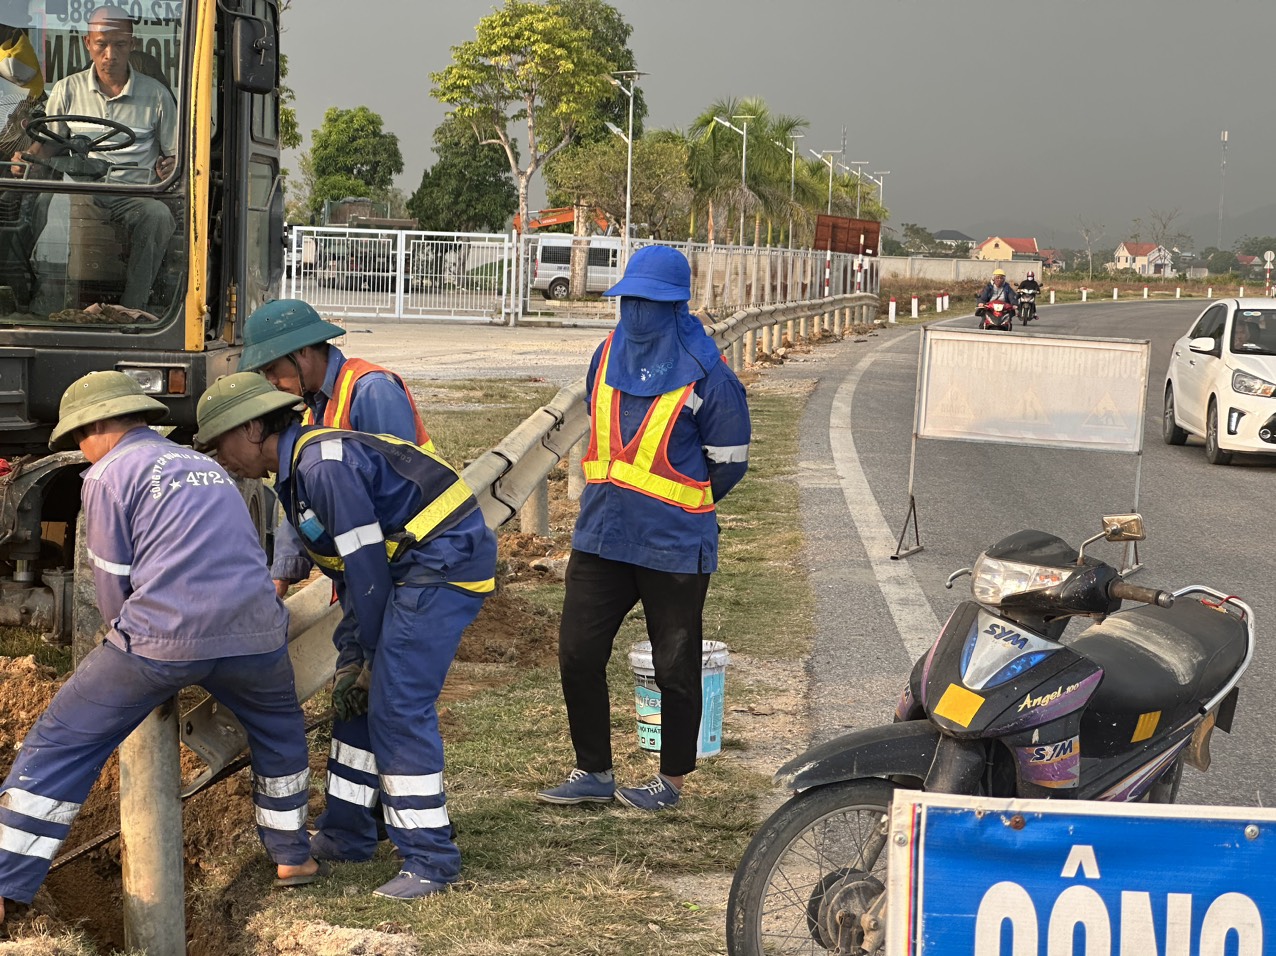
401, 275
503, 278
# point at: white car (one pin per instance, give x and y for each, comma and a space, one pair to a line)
1221, 383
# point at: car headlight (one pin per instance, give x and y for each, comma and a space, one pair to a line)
992, 581
1248, 384
157, 380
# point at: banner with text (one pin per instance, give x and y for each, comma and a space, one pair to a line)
1032, 389
978, 876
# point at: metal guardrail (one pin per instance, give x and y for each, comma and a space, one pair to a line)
504, 479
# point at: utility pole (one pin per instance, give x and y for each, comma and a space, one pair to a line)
1222, 180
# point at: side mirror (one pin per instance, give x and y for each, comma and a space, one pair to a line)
255, 56
1123, 528
1205, 345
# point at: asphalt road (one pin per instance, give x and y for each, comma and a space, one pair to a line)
1206, 524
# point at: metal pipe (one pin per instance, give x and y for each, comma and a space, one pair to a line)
151, 836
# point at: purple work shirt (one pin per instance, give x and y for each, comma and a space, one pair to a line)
179, 569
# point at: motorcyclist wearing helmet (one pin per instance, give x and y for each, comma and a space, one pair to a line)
288, 342
1030, 284
998, 290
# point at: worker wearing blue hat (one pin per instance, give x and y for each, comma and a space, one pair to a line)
669, 437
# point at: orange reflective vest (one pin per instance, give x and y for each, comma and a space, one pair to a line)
336, 413
642, 465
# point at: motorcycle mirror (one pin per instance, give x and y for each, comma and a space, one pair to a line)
1128, 527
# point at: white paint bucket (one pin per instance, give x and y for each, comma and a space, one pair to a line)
713, 673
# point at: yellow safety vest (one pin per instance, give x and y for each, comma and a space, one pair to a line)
643, 464
447, 495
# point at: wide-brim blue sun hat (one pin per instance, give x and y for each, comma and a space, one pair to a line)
657, 273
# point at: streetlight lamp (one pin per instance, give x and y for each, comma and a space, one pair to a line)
859, 178
616, 79
881, 184
744, 158
792, 151
826, 158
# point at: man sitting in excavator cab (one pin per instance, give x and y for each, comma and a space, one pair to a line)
114, 124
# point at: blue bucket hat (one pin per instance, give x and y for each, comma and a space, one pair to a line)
657, 273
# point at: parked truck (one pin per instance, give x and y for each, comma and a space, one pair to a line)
63, 263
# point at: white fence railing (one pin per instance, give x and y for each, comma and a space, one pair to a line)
503, 278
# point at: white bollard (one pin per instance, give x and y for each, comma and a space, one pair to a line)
946, 303
1209, 292
891, 311
1178, 293
1145, 292
914, 306
1241, 294
939, 303
1114, 293
1052, 296
1084, 293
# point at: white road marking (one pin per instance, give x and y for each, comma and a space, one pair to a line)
916, 622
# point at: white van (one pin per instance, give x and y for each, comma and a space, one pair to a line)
552, 265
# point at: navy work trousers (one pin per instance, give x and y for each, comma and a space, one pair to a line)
600, 592
394, 753
110, 693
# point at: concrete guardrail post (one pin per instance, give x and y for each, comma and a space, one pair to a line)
575, 474
533, 517
151, 836
750, 346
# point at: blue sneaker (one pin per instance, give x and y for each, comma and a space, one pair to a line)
409, 886
581, 787
659, 794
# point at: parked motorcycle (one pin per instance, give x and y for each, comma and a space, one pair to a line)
1027, 305
1000, 706
996, 315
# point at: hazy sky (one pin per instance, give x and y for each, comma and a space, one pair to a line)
991, 115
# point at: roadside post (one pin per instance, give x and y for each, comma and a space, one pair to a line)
914, 305
982, 876
1268, 256
891, 311
1145, 292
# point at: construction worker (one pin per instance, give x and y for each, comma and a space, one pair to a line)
404, 541
182, 583
287, 341
669, 437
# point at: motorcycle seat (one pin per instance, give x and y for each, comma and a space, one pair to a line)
1161, 659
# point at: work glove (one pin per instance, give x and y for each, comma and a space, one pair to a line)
350, 690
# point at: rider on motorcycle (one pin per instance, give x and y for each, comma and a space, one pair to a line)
1030, 284
998, 290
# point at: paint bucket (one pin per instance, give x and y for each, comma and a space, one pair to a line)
713, 673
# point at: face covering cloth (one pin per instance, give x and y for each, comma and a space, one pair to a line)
658, 347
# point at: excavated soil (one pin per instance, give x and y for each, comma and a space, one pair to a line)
218, 823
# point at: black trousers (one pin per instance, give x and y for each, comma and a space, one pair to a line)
599, 595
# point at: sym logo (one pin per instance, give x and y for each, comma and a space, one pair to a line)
1009, 635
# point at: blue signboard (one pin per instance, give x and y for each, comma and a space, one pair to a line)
983, 877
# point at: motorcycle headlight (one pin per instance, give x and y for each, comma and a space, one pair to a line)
992, 580
1248, 384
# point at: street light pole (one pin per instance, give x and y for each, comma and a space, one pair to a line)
827, 159
881, 184
744, 157
858, 179
792, 151
632, 77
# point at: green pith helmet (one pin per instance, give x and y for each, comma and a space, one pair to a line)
97, 396
234, 399
280, 328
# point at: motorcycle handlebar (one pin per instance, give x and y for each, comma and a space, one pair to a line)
1132, 592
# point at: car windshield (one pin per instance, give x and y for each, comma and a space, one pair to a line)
1254, 332
88, 96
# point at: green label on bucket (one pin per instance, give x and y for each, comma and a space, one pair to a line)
647, 703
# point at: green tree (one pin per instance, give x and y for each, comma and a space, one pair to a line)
595, 175
918, 240
608, 36
350, 155
1222, 261
289, 132
1256, 245
527, 64
469, 188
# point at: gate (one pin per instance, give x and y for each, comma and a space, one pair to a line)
401, 274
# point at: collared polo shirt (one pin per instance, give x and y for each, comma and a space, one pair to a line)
144, 106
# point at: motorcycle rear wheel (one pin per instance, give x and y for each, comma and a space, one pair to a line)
821, 841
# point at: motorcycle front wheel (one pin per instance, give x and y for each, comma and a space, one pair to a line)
820, 854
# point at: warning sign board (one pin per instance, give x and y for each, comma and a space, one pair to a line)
1032, 389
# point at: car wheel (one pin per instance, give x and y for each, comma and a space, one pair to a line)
558, 289
1170, 430
1213, 454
